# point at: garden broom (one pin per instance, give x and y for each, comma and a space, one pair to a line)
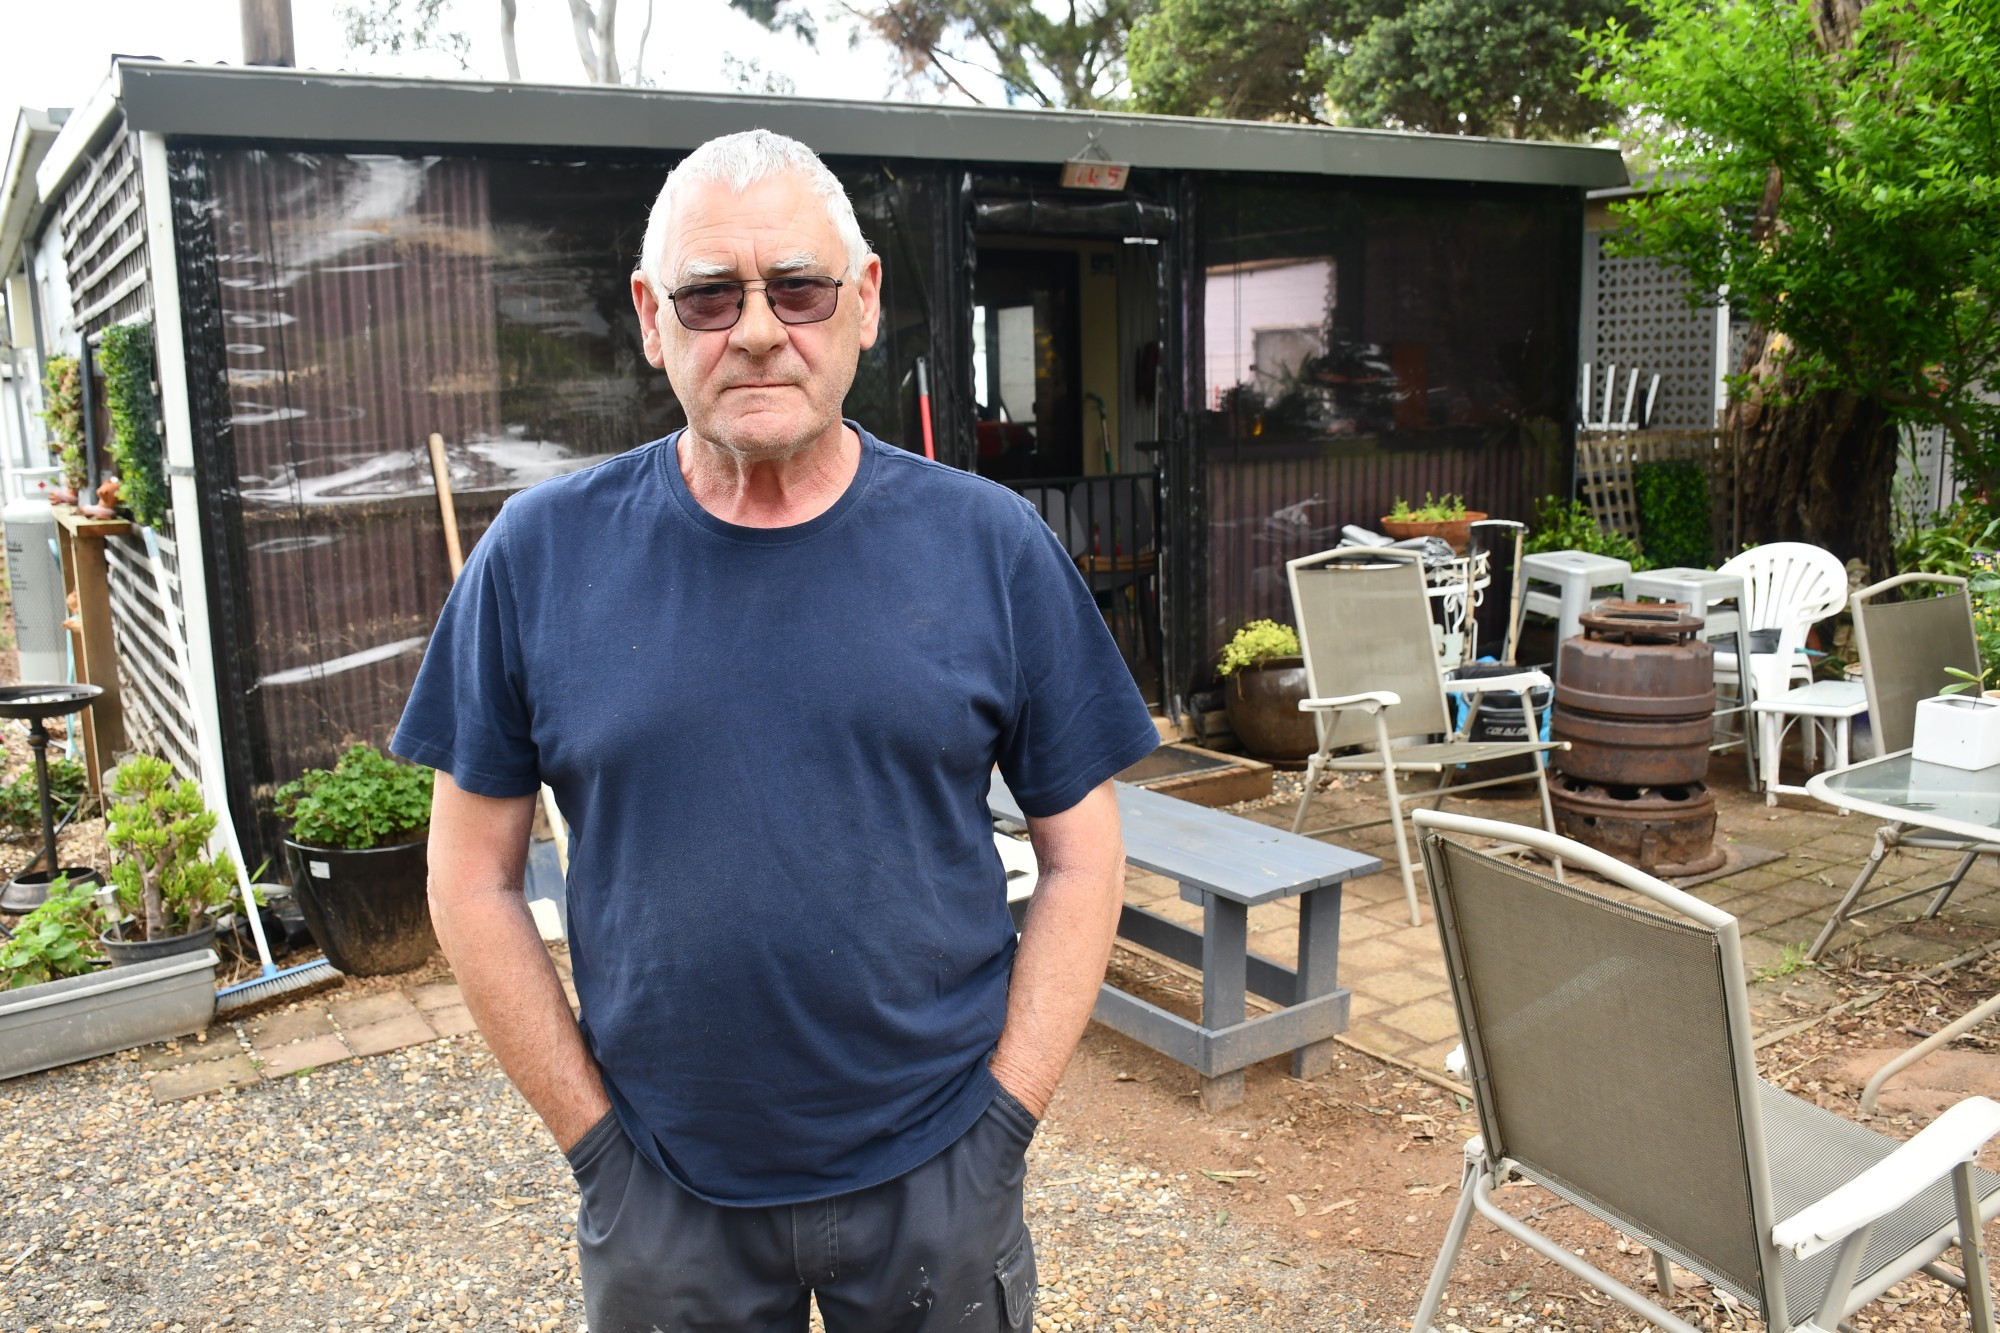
273, 986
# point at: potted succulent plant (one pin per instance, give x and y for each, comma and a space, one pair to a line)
165, 886
1264, 677
358, 848
58, 1004
1445, 517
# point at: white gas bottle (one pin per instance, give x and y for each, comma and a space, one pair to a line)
34, 578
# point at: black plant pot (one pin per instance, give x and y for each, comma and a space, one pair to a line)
24, 893
123, 953
367, 909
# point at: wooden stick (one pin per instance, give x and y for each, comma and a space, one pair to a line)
441, 473
448, 513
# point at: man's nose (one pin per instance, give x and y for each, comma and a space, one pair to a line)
757, 329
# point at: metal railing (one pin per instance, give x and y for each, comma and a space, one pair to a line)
1110, 527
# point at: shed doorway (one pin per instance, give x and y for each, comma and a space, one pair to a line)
1065, 377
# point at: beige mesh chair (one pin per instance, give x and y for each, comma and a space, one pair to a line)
1364, 623
1609, 1050
1908, 649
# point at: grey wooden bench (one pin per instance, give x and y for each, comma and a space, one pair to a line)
1227, 865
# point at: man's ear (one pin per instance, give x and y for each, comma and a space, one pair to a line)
869, 288
648, 306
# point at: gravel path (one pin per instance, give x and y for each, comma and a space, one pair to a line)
417, 1191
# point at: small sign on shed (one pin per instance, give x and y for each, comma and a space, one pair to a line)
1088, 173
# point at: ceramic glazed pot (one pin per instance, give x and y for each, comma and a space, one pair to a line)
1262, 703
367, 909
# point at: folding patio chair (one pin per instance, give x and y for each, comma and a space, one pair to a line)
1608, 1046
1906, 648
1364, 625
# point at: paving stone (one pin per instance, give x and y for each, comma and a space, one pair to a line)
220, 1046
1370, 1035
451, 1020
308, 1054
1281, 946
1358, 926
196, 1080
296, 1025
1178, 909
437, 995
1431, 1020
1395, 988
1376, 955
390, 1034
367, 1009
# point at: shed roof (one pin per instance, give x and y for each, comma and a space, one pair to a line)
300, 106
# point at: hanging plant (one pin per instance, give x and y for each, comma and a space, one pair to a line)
62, 403
126, 358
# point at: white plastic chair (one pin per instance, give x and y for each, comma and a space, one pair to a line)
1788, 587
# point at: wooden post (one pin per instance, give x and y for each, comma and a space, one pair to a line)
267, 33
87, 584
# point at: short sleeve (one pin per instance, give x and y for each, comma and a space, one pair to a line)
1079, 717
468, 713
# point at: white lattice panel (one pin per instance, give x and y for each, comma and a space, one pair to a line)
1636, 316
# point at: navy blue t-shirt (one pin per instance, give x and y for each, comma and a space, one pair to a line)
788, 923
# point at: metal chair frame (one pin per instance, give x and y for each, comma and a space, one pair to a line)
1843, 1220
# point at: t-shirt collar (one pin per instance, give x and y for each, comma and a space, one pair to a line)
690, 509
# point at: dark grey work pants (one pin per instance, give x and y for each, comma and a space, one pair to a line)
943, 1247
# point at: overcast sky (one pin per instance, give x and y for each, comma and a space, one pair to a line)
55, 52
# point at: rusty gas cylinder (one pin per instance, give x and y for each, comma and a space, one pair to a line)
1635, 697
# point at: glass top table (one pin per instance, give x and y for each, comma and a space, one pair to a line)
1958, 801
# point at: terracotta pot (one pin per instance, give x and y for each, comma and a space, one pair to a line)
1457, 531
1262, 702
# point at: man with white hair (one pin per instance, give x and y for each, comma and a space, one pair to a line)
768, 665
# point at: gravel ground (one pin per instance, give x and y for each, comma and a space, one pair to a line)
417, 1191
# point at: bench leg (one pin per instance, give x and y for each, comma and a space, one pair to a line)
1225, 947
1319, 954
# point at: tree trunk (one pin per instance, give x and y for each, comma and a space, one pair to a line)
1817, 468
507, 40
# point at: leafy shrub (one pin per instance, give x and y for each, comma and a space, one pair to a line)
1958, 542
1560, 527
21, 801
158, 831
126, 357
62, 413
1258, 641
56, 940
1673, 513
1439, 509
365, 800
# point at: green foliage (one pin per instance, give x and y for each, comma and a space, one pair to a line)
365, 800
1958, 542
1238, 59
56, 940
1674, 513
1434, 509
21, 801
1065, 56
1489, 67
1842, 186
126, 357
62, 412
392, 27
1560, 527
158, 832
62, 402
1258, 641
1790, 959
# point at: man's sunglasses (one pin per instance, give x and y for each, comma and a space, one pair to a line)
710, 307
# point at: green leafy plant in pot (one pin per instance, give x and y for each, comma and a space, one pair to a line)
1264, 677
358, 849
56, 940
166, 887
